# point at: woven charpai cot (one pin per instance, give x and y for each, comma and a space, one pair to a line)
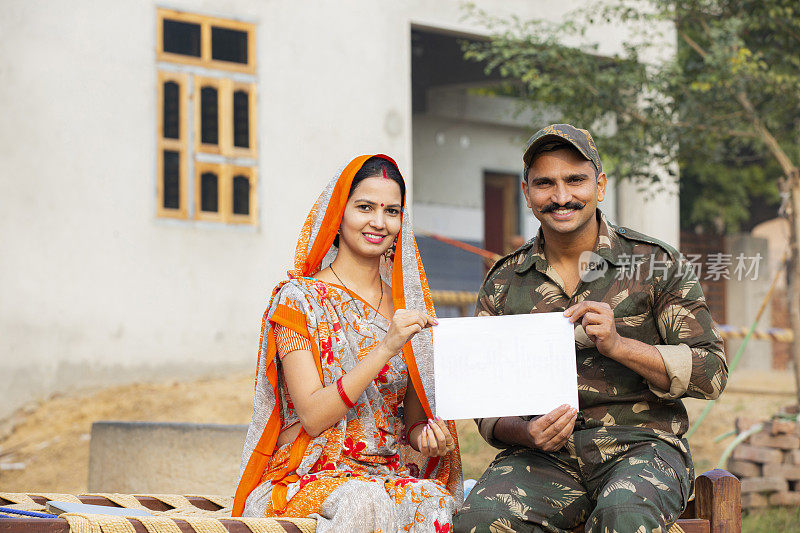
181, 512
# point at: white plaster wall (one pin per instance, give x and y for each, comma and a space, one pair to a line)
94, 288
652, 209
451, 173
462, 223
450, 158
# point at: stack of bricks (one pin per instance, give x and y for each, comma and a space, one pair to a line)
768, 462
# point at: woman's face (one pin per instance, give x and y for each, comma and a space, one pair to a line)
372, 217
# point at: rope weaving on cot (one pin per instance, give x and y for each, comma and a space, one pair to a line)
200, 520
158, 524
21, 502
110, 524
222, 501
123, 500
180, 505
92, 523
205, 525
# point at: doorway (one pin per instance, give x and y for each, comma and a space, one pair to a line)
501, 228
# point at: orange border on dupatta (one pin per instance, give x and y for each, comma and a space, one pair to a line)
251, 477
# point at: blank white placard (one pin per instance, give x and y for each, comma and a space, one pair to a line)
504, 365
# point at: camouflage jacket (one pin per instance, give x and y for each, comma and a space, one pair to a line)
656, 299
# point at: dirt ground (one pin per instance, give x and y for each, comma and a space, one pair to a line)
45, 447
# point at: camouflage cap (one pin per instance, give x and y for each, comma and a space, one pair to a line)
543, 140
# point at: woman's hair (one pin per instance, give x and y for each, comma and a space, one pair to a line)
377, 167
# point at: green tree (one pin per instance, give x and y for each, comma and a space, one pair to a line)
744, 178
708, 86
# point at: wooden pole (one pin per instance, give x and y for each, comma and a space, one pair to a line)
793, 292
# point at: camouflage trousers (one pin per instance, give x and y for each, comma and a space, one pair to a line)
613, 480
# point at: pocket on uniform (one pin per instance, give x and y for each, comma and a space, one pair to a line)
674, 466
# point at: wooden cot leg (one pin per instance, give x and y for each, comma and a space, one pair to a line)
718, 499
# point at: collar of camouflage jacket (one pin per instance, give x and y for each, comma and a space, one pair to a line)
609, 246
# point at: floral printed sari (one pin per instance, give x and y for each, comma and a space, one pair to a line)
358, 475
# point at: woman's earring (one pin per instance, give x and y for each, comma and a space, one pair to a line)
389, 253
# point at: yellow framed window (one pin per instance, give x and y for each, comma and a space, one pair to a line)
209, 194
242, 197
206, 116
171, 146
205, 41
224, 117
225, 193
242, 99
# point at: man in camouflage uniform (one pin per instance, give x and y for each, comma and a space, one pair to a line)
644, 338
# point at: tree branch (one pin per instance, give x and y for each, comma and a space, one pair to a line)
706, 29
774, 147
691, 42
789, 169
789, 30
703, 127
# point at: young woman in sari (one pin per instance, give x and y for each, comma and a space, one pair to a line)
343, 428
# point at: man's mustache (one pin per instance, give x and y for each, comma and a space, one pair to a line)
569, 205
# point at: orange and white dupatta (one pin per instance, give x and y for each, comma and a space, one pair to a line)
410, 290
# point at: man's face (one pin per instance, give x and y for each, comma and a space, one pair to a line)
562, 190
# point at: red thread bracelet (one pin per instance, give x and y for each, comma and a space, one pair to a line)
343, 394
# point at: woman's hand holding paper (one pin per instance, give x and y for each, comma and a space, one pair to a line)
405, 324
434, 439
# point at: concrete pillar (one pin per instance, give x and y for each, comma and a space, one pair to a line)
652, 209
744, 293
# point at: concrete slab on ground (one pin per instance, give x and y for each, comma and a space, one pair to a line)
165, 457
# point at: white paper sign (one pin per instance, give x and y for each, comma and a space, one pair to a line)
504, 365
